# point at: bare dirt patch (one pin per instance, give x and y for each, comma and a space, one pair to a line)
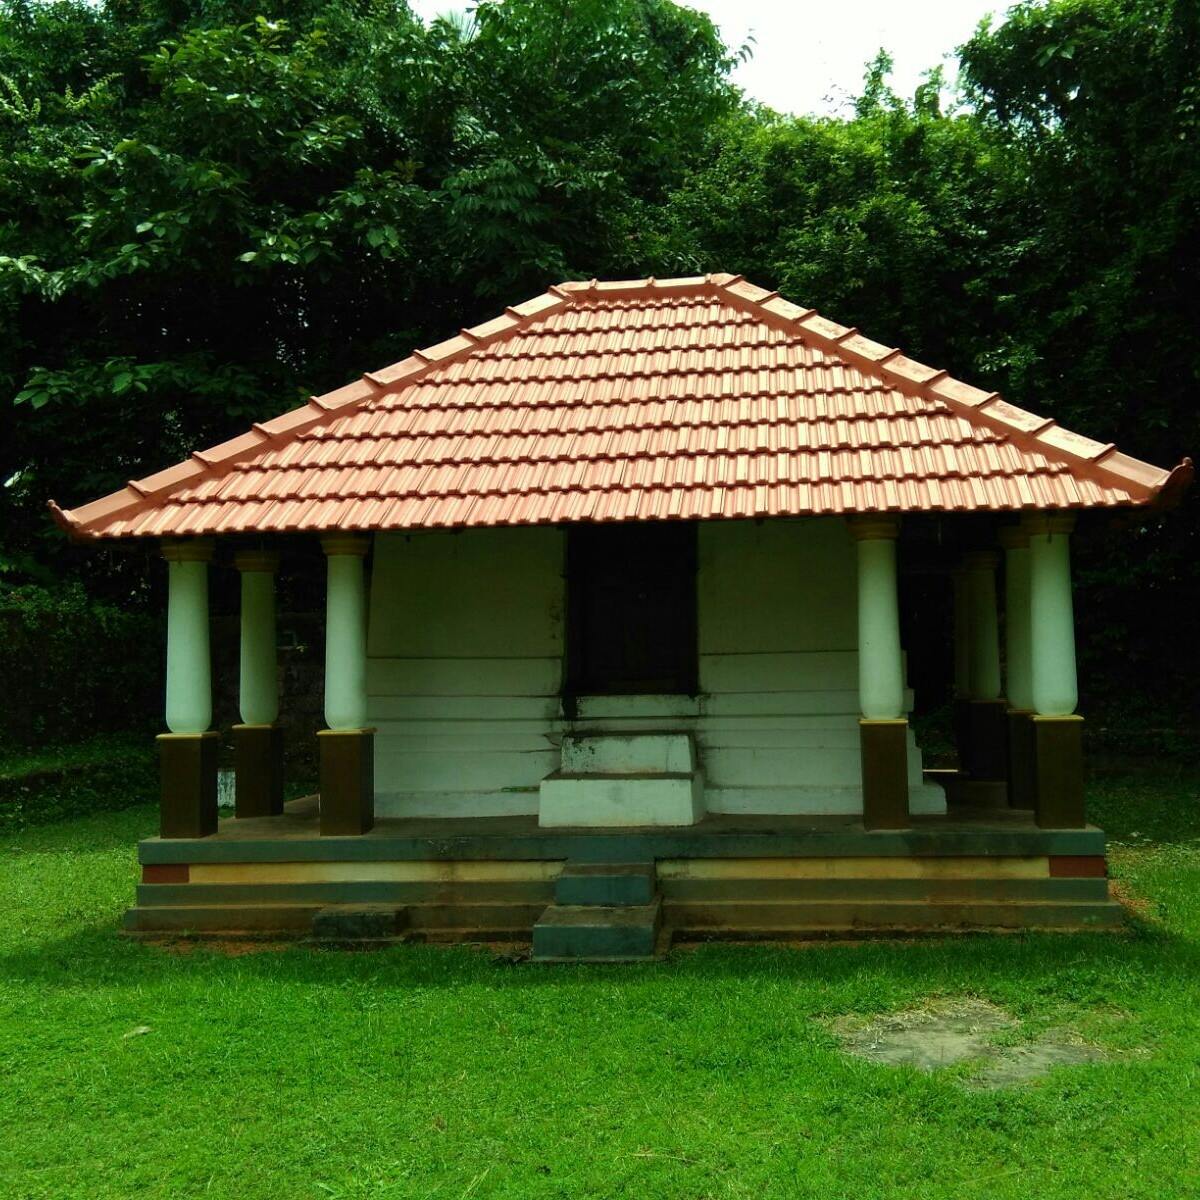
1139, 906
964, 1031
230, 947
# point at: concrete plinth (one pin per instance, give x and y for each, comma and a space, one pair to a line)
884, 773
347, 780
188, 772
1058, 753
258, 770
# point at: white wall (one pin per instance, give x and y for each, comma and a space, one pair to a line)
464, 669
466, 643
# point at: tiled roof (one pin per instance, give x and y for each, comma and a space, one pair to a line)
635, 400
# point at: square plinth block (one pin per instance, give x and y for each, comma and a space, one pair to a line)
188, 771
1058, 767
987, 740
258, 770
347, 780
884, 746
1022, 779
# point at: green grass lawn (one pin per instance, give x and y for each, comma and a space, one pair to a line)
425, 1071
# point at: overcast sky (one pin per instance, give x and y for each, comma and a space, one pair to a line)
809, 56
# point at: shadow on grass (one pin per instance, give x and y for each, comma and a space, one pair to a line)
1087, 966
121, 829
1138, 801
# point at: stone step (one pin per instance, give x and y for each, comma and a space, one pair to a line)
481, 921
616, 801
358, 923
597, 933
929, 890
628, 754
397, 893
606, 884
767, 919
224, 918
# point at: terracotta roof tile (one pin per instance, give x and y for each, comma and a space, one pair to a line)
632, 400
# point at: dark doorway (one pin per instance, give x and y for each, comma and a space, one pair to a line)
631, 609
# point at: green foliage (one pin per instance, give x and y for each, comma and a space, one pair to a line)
210, 210
74, 666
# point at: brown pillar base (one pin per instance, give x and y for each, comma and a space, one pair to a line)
1022, 781
258, 770
188, 770
987, 741
1058, 766
884, 747
347, 780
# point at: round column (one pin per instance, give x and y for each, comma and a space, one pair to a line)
189, 668
880, 665
1055, 689
258, 682
345, 632
984, 624
1017, 642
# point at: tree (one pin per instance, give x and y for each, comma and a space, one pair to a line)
209, 213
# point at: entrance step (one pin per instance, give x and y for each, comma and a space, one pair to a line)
628, 754
605, 884
597, 933
608, 801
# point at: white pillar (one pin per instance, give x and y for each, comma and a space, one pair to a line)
1018, 648
258, 681
189, 668
880, 665
962, 635
984, 624
345, 632
1055, 687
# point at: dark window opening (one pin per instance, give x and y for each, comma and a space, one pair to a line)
631, 609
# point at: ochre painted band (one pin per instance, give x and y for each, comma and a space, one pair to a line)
187, 549
1048, 522
1013, 537
256, 560
350, 544
875, 528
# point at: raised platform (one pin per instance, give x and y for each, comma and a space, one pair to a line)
726, 876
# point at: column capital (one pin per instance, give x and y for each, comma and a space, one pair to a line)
981, 560
876, 527
1048, 522
187, 549
350, 544
1013, 537
256, 560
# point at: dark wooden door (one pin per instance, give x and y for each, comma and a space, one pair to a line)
631, 609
